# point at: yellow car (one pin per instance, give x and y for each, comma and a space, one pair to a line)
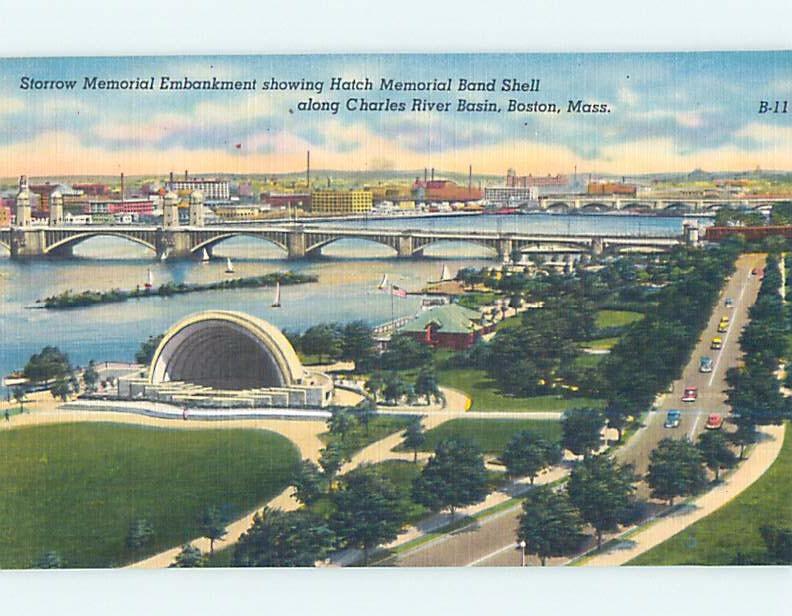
716, 344
723, 327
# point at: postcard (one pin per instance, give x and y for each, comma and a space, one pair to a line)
396, 310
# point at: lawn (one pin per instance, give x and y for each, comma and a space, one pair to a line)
602, 344
734, 528
379, 427
491, 435
588, 360
616, 318
75, 488
486, 397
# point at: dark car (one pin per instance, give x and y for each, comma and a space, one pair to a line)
673, 419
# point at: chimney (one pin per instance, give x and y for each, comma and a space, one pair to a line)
433, 174
122, 187
470, 179
426, 175
185, 175
171, 177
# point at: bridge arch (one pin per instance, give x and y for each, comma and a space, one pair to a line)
560, 207
418, 250
315, 249
73, 240
214, 241
678, 206
596, 206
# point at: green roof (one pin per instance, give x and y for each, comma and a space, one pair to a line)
449, 319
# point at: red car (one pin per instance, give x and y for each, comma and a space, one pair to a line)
690, 395
714, 421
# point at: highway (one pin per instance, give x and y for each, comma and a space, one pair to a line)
492, 541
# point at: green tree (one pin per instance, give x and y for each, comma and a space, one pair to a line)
675, 469
414, 437
341, 423
549, 524
616, 414
323, 340
602, 491
139, 534
778, 542
49, 560
357, 344
145, 353
527, 454
19, 396
365, 411
744, 435
426, 385
582, 430
331, 458
91, 376
368, 510
49, 364
374, 385
395, 388
213, 526
284, 539
403, 353
308, 482
189, 557
453, 477
714, 450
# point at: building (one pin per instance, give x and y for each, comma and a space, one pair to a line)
44, 192
242, 212
132, 205
448, 326
213, 189
523, 181
337, 202
5, 216
611, 188
444, 190
92, 190
290, 201
225, 359
505, 194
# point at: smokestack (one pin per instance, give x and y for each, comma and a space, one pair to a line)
426, 174
122, 187
308, 169
433, 174
185, 175
171, 177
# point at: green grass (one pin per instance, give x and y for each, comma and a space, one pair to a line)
402, 474
379, 427
616, 318
716, 539
588, 360
491, 435
600, 343
75, 488
486, 397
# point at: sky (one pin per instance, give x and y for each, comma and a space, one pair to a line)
668, 112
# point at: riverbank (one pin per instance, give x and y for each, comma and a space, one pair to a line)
68, 299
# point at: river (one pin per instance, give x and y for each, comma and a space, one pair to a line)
346, 290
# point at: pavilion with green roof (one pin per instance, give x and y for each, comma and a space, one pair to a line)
449, 326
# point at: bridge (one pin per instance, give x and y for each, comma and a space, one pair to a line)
299, 241
599, 203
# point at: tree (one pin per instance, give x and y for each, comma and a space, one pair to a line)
308, 482
90, 376
426, 384
61, 389
331, 458
414, 437
357, 344
527, 454
145, 353
395, 388
212, 524
616, 413
368, 510
140, 533
374, 385
284, 539
453, 477
322, 340
341, 423
602, 491
19, 396
49, 364
744, 435
365, 411
403, 353
189, 557
581, 429
714, 450
675, 469
549, 524
49, 560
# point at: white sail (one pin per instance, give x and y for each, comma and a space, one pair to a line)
204, 256
149, 279
383, 283
445, 274
229, 266
277, 301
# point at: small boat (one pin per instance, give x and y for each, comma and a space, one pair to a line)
383, 283
204, 256
163, 256
445, 274
149, 279
229, 266
276, 303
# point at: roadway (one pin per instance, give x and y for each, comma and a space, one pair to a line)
491, 542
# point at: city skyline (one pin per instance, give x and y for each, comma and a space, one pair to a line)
669, 112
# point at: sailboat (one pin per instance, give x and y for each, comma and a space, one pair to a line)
149, 279
445, 274
383, 283
204, 256
276, 303
229, 266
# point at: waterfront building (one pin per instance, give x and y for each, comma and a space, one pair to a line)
213, 189
93, 190
444, 191
336, 202
523, 181
506, 194
130, 205
447, 326
44, 193
295, 200
611, 188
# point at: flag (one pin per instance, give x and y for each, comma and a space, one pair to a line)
238, 146
398, 291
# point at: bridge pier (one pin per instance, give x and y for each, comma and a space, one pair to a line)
405, 246
173, 243
28, 242
597, 246
504, 248
295, 244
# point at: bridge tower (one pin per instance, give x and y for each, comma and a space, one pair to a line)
56, 209
23, 216
196, 209
170, 210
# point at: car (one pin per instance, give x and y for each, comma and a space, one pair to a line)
723, 327
705, 364
690, 394
714, 421
717, 343
729, 303
754, 271
673, 419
